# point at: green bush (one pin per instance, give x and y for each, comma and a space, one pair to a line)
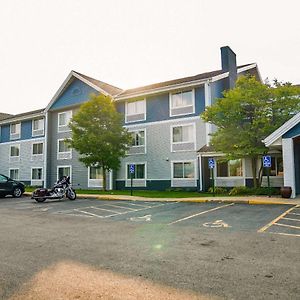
218, 190
240, 190
265, 191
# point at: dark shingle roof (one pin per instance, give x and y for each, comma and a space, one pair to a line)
147, 88
206, 148
4, 116
110, 89
33, 112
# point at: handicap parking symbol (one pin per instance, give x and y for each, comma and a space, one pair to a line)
211, 163
267, 161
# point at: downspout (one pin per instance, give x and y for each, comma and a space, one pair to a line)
200, 172
45, 149
208, 102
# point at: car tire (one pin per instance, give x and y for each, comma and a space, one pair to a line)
17, 192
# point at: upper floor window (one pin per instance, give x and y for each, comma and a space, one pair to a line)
63, 150
38, 127
15, 151
231, 168
135, 111
182, 103
138, 138
64, 120
183, 138
15, 131
37, 148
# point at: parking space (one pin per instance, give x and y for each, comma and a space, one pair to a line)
277, 219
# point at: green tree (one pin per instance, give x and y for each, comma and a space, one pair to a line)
247, 114
98, 134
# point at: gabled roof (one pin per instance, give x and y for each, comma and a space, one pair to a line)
278, 133
4, 116
169, 83
110, 89
29, 114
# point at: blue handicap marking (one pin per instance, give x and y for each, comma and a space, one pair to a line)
267, 162
131, 169
211, 163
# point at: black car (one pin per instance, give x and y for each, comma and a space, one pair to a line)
12, 187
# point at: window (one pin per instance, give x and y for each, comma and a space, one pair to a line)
15, 131
135, 111
183, 134
37, 148
14, 174
184, 170
64, 120
182, 103
231, 168
138, 138
63, 146
15, 151
276, 167
37, 174
139, 171
63, 171
3, 178
95, 173
38, 127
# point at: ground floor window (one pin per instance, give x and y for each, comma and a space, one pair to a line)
14, 174
95, 173
183, 170
63, 171
276, 167
37, 174
230, 168
139, 171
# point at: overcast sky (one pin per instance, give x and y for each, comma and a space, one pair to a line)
130, 43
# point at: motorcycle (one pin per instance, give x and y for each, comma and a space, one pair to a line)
62, 188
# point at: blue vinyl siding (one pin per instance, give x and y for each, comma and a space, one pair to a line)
26, 130
76, 93
293, 132
157, 107
5, 133
217, 88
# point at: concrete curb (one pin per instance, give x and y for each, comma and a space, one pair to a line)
240, 200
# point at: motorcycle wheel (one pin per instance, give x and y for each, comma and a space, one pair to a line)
71, 194
39, 199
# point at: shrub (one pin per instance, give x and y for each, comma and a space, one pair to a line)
240, 190
218, 190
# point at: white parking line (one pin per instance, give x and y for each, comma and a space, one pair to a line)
119, 206
281, 233
285, 225
88, 213
297, 220
137, 204
200, 213
99, 208
294, 214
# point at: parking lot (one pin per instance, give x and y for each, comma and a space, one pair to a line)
275, 219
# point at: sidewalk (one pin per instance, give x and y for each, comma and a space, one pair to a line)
241, 199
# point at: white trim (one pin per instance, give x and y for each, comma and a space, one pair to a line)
219, 77
64, 166
65, 152
186, 142
35, 130
208, 102
16, 135
37, 155
170, 103
200, 172
246, 68
22, 141
45, 150
269, 140
184, 179
145, 111
142, 125
70, 112
36, 180
94, 183
14, 169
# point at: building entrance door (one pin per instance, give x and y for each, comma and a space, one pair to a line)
297, 163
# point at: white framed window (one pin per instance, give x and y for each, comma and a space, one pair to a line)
14, 153
183, 137
63, 150
182, 103
95, 177
38, 127
36, 176
63, 120
15, 131
139, 176
135, 111
14, 174
183, 173
231, 168
37, 148
64, 171
138, 138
